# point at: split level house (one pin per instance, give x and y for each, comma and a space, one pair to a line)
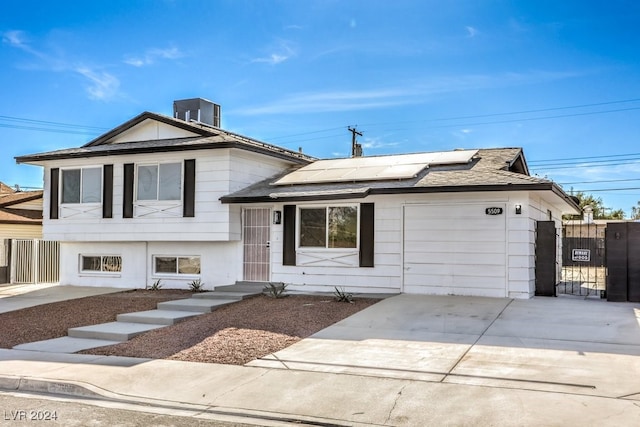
179, 199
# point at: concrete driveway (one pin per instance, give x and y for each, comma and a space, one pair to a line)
563, 345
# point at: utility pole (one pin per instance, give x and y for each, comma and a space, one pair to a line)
356, 149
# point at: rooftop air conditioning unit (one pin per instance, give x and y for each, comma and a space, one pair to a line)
197, 109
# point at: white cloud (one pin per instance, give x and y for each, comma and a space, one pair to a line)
152, 55
280, 53
103, 85
15, 38
471, 31
411, 93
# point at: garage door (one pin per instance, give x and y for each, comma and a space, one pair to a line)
454, 250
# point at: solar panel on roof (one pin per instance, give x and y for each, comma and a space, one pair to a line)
401, 166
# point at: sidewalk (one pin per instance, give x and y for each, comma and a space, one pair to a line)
16, 297
407, 361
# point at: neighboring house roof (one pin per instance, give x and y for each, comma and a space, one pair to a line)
207, 137
19, 197
10, 214
20, 216
496, 169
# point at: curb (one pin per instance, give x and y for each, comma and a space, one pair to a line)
87, 391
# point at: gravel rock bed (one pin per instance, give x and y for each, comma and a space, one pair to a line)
233, 334
240, 332
52, 320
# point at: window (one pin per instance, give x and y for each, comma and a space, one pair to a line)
82, 185
176, 264
159, 182
329, 227
101, 263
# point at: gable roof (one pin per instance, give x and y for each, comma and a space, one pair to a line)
494, 169
19, 197
205, 137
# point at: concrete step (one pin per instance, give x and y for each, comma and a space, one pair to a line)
112, 331
156, 317
197, 305
64, 345
224, 295
255, 287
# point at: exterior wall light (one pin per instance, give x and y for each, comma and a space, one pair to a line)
277, 217
518, 209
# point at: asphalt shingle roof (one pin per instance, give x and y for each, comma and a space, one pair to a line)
495, 169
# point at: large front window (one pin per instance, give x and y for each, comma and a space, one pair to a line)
329, 227
82, 185
160, 181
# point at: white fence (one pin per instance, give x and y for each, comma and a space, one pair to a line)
34, 261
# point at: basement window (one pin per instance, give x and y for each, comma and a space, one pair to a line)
187, 265
100, 263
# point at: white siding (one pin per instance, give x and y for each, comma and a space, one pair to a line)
220, 263
151, 130
218, 172
467, 247
455, 249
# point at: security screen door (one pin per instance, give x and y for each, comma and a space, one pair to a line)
257, 232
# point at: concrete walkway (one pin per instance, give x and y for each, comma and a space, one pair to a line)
17, 297
408, 360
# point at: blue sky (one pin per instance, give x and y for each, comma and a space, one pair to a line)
559, 78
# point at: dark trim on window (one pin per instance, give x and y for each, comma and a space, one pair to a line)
289, 235
54, 187
127, 194
367, 220
107, 191
189, 189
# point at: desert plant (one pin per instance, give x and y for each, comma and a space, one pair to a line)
196, 286
156, 286
276, 290
342, 296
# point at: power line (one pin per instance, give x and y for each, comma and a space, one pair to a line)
584, 158
599, 182
48, 123
540, 110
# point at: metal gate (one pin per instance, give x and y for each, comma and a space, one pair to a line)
5, 245
583, 259
623, 261
35, 261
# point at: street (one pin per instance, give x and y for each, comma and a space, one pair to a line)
22, 409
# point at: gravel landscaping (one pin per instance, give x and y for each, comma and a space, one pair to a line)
233, 334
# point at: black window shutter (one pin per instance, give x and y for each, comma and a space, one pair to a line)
289, 235
127, 194
189, 197
54, 187
367, 220
107, 191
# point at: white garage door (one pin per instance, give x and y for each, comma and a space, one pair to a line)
454, 250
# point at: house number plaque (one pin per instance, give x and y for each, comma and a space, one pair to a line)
493, 211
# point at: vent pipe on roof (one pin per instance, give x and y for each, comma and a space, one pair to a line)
197, 109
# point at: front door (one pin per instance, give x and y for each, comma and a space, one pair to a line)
257, 233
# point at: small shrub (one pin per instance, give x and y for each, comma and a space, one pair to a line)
342, 296
156, 286
276, 290
196, 286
